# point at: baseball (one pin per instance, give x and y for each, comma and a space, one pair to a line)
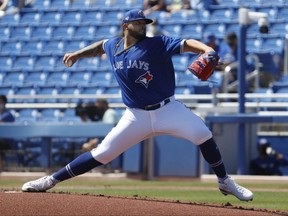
68, 63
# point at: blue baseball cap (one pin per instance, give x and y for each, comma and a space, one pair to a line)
135, 14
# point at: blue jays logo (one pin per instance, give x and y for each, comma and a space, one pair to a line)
145, 79
141, 13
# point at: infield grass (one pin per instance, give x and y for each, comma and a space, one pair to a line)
272, 195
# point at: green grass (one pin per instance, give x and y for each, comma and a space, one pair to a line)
266, 195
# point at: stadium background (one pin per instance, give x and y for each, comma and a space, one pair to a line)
41, 89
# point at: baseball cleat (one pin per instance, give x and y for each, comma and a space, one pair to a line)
229, 186
39, 185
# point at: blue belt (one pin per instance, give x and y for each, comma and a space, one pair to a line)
157, 106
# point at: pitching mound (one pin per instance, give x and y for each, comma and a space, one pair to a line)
18, 203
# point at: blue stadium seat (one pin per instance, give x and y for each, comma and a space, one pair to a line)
63, 32
272, 12
27, 115
81, 4
36, 78
283, 13
51, 17
48, 90
283, 90
11, 47
14, 79
88, 63
32, 47
192, 30
113, 17
232, 27
60, 4
50, 115
21, 32
70, 117
101, 79
71, 91
254, 44
30, 18
6, 63
93, 17
108, 31
55, 47
41, 4
86, 32
7, 90
113, 91
5, 32
45, 62
79, 78
29, 91
218, 29
173, 30
42, 32
280, 28
23, 62
229, 3
223, 15
184, 90
180, 62
10, 19
57, 79
275, 44
72, 17
73, 45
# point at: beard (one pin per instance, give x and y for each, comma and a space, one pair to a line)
137, 35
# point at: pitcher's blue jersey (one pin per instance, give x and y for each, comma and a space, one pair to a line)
145, 71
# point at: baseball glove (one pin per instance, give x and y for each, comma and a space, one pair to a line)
204, 66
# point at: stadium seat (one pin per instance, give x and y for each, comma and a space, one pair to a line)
60, 4
79, 79
27, 115
10, 19
192, 30
253, 44
48, 90
108, 31
71, 17
29, 91
92, 17
41, 5
23, 62
91, 90
113, 91
218, 29
63, 32
73, 45
51, 17
223, 15
42, 32
275, 44
86, 32
88, 63
70, 117
173, 30
7, 90
82, 4
71, 91
272, 12
180, 62
32, 47
5, 32
101, 79
57, 79
30, 18
54, 47
11, 47
280, 28
45, 62
14, 79
6, 63
50, 115
35, 78
112, 17
21, 32
184, 90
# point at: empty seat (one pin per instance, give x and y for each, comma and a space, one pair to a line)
70, 117
218, 29
108, 31
225, 15
115, 91
63, 32
73, 45
86, 32
8, 91
31, 17
57, 78
172, 30
113, 16
45, 62
274, 44
32, 47
70, 92
51, 17
23, 62
101, 79
180, 62
192, 30
50, 91
14, 79
21, 33
27, 115
42, 32
26, 91
60, 4
93, 17
5, 32
11, 47
50, 115
279, 28
36, 78
10, 19
6, 63
88, 63
82, 4
79, 78
71, 17
55, 47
